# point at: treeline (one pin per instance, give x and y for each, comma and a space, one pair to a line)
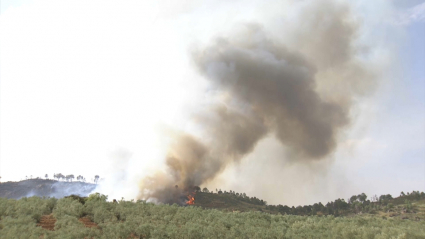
355, 204
240, 196
68, 178
129, 219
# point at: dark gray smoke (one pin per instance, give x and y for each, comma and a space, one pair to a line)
278, 86
271, 88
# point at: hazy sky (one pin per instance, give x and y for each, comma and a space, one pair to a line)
86, 86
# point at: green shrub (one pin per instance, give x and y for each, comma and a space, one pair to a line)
34, 207
97, 197
68, 207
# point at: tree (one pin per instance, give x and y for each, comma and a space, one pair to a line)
205, 190
70, 177
59, 176
96, 178
362, 197
385, 198
46, 176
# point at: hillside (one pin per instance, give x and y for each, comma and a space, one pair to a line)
408, 206
411, 206
212, 215
44, 188
227, 202
95, 217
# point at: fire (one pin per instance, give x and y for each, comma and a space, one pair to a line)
191, 200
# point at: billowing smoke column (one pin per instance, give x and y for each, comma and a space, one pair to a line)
278, 87
288, 91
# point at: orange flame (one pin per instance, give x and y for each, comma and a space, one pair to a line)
191, 200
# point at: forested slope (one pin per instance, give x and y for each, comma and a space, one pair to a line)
407, 206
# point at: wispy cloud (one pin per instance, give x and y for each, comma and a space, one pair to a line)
411, 15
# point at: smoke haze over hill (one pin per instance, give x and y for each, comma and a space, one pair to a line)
293, 102
270, 88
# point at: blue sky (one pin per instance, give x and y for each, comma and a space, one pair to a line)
401, 120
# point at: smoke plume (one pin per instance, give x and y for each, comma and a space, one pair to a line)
300, 92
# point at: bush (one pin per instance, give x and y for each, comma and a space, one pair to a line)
34, 207
68, 207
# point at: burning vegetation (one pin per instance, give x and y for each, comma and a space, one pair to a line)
191, 192
191, 199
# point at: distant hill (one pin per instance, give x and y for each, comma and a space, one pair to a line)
44, 188
408, 206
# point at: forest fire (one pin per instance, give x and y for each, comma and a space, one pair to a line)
191, 200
